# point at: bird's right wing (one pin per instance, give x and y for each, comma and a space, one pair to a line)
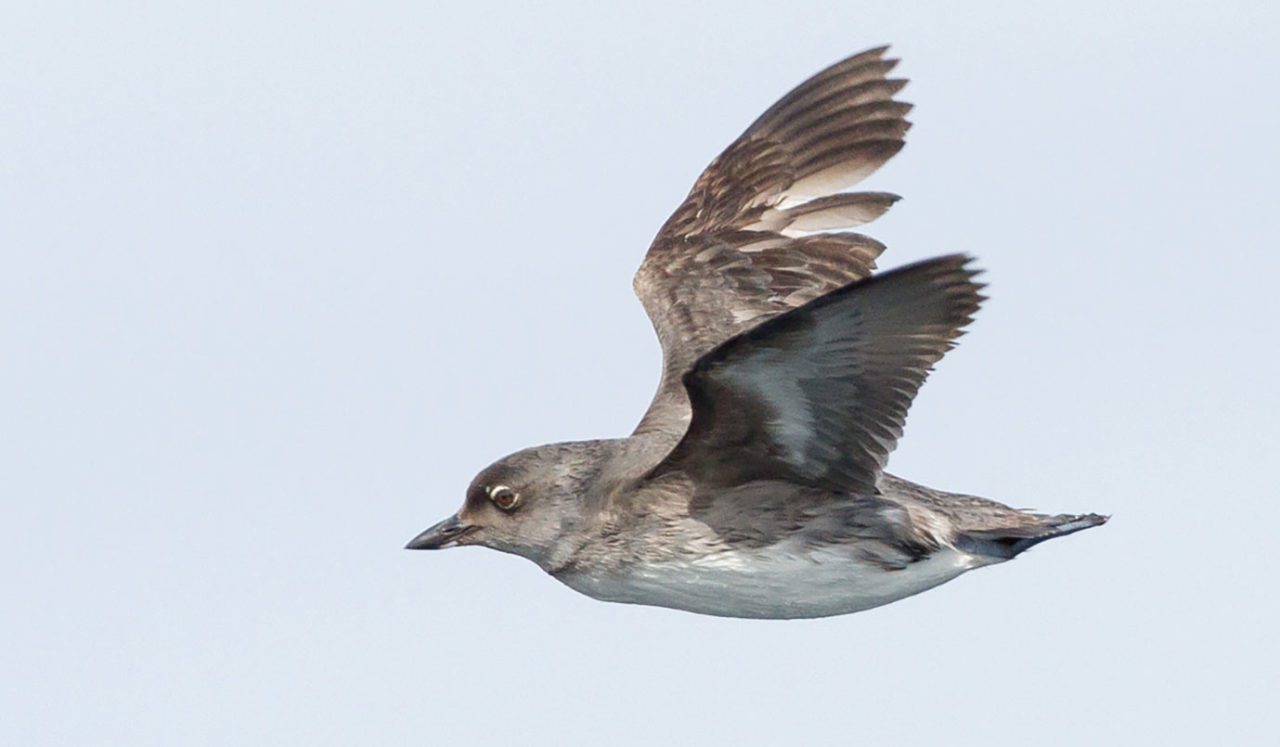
761, 231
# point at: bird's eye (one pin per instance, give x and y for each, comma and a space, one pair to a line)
504, 497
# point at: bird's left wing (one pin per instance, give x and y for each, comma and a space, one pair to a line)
818, 396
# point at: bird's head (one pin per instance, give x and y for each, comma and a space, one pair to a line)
527, 503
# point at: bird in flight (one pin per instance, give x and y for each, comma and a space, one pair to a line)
754, 485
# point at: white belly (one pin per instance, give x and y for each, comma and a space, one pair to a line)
771, 585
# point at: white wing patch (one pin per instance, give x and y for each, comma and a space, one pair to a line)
774, 378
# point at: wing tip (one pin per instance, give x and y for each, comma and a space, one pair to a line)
872, 53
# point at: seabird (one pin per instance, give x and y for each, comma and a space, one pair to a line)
754, 485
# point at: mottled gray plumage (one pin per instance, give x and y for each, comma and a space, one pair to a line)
754, 484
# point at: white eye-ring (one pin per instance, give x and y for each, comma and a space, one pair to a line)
504, 497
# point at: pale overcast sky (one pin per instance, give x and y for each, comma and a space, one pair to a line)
280, 278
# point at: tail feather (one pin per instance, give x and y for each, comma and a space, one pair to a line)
1007, 542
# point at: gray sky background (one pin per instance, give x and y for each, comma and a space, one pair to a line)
280, 278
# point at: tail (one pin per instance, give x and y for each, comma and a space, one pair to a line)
1007, 542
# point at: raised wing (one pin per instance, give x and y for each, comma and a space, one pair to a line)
818, 396
742, 247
